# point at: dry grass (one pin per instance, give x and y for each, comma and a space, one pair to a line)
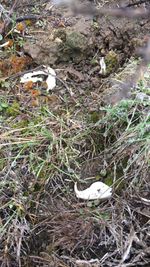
39, 212
42, 154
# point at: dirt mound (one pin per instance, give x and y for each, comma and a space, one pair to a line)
81, 42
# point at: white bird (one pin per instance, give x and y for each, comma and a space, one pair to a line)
97, 190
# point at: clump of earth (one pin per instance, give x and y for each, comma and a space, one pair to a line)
79, 42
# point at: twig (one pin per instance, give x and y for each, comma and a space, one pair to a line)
30, 17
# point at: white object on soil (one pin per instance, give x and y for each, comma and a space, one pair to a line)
34, 76
97, 190
102, 65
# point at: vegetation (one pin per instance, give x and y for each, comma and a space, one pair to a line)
48, 142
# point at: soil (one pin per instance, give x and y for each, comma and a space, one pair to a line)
114, 39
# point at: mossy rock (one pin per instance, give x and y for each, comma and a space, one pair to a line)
61, 34
111, 61
75, 47
76, 40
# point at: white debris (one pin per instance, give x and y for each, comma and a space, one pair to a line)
97, 190
5, 44
30, 77
35, 76
51, 79
102, 65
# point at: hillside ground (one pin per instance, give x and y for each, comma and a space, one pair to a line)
93, 126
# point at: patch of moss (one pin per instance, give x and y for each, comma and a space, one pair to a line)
119, 183
97, 177
61, 34
94, 117
13, 110
74, 47
111, 61
109, 181
76, 40
35, 121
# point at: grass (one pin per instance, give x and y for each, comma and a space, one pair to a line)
39, 163
45, 148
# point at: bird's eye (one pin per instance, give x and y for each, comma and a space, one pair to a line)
98, 190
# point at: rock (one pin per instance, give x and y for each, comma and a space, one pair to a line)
45, 53
62, 46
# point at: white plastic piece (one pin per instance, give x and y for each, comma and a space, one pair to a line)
97, 190
102, 65
51, 79
35, 77
30, 77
